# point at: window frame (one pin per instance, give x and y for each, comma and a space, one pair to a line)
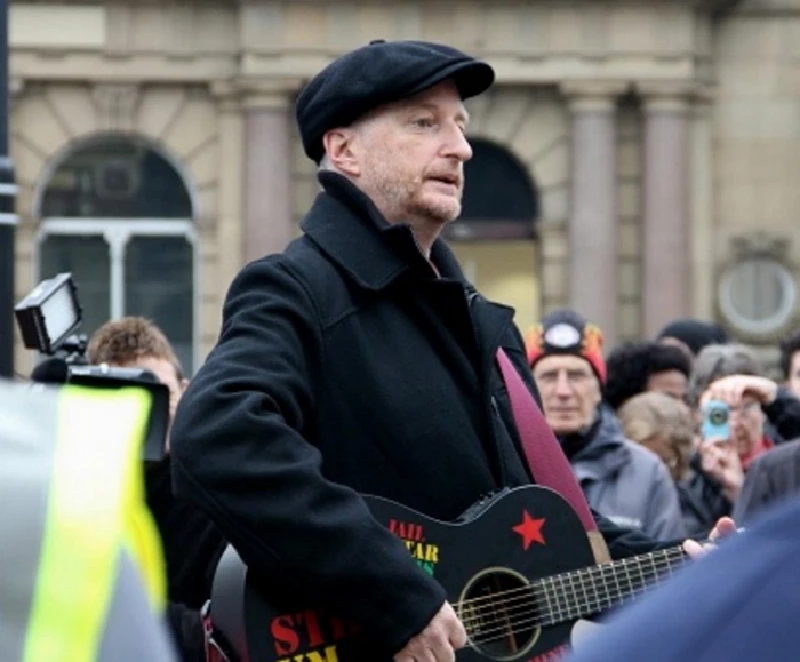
117, 232
73, 147
766, 326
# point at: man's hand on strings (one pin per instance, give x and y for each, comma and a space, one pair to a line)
725, 527
438, 641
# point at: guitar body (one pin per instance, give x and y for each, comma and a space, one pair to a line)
486, 563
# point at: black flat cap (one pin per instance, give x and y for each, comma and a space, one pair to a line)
382, 72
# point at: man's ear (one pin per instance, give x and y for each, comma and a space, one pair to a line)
338, 145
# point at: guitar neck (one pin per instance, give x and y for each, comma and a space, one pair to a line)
581, 593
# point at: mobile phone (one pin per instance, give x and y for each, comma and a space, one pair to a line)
716, 417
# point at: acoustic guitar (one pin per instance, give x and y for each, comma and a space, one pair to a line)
517, 568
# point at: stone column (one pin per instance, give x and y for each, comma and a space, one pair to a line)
666, 250
268, 226
702, 207
229, 221
593, 208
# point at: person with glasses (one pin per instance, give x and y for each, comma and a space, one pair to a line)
621, 479
761, 415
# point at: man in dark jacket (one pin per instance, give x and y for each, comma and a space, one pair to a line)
360, 361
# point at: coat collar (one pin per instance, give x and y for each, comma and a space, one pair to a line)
347, 226
606, 453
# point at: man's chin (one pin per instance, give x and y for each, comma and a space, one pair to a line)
441, 211
564, 426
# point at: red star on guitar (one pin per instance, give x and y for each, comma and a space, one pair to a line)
530, 529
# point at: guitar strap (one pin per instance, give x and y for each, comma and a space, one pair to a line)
546, 461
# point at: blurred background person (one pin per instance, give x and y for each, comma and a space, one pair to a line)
637, 367
733, 373
692, 335
760, 415
790, 361
664, 425
192, 544
622, 480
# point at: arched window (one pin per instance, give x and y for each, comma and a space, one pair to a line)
500, 201
118, 215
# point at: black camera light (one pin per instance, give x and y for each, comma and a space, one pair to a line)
49, 314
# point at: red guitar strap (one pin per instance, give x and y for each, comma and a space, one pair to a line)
547, 462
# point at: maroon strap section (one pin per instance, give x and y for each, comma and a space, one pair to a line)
547, 462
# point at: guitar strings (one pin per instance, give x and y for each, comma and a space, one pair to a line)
552, 616
528, 613
660, 561
525, 625
557, 587
535, 599
511, 609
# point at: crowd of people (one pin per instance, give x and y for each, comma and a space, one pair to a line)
362, 361
651, 395
629, 420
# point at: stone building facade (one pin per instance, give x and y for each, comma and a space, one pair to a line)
640, 156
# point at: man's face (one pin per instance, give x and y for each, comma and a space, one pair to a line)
570, 392
669, 382
794, 374
409, 156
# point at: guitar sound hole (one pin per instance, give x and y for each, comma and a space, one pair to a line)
498, 611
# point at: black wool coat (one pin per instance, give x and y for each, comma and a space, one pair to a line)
345, 366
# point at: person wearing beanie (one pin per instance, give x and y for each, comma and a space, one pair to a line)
621, 479
692, 334
360, 360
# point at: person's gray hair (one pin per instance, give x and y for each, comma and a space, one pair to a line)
325, 164
717, 361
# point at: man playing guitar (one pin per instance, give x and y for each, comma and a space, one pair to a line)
361, 361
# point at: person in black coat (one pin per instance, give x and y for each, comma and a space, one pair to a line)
361, 361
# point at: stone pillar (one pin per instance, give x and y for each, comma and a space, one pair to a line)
268, 226
702, 208
229, 221
666, 250
593, 208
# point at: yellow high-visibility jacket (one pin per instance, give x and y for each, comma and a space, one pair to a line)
81, 569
